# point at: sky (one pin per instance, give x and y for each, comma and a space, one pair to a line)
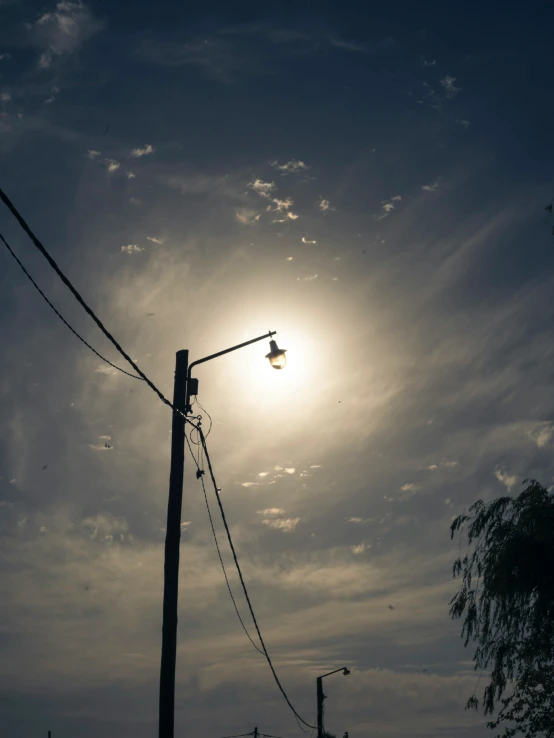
367, 180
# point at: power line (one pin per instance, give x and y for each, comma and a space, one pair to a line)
11, 207
223, 517
152, 386
60, 316
200, 475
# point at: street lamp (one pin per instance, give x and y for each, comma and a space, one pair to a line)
276, 356
321, 697
185, 387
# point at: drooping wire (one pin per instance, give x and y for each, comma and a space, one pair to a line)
11, 207
207, 413
244, 589
5, 199
60, 316
238, 736
200, 475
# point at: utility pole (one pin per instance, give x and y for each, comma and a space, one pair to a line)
320, 698
49, 734
172, 542
256, 734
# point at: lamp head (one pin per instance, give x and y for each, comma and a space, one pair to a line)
346, 671
276, 356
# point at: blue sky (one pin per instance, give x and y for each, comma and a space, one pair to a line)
370, 183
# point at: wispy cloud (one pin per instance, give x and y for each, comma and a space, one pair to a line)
247, 216
508, 480
93, 154
324, 205
112, 165
262, 188
271, 511
309, 278
137, 153
541, 433
132, 248
387, 206
63, 30
360, 548
290, 167
432, 186
157, 240
286, 525
307, 241
447, 83
54, 92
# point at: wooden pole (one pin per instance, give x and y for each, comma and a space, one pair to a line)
172, 543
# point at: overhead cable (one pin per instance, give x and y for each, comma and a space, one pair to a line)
237, 565
60, 316
11, 207
200, 475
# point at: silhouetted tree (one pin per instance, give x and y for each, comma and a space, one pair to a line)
507, 601
548, 209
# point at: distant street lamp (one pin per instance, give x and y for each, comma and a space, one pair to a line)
184, 388
321, 697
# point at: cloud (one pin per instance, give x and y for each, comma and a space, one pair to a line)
246, 216
63, 30
290, 258
387, 206
131, 175
465, 123
324, 205
289, 469
250, 484
291, 167
112, 165
5, 97
262, 188
271, 511
132, 248
159, 241
54, 92
137, 153
287, 525
508, 480
541, 434
360, 548
104, 527
447, 83
305, 240
282, 205
93, 154
431, 187
409, 487
432, 63
309, 278
359, 521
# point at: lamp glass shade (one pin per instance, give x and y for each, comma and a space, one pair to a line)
276, 356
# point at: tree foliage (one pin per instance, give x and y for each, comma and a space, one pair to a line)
507, 601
